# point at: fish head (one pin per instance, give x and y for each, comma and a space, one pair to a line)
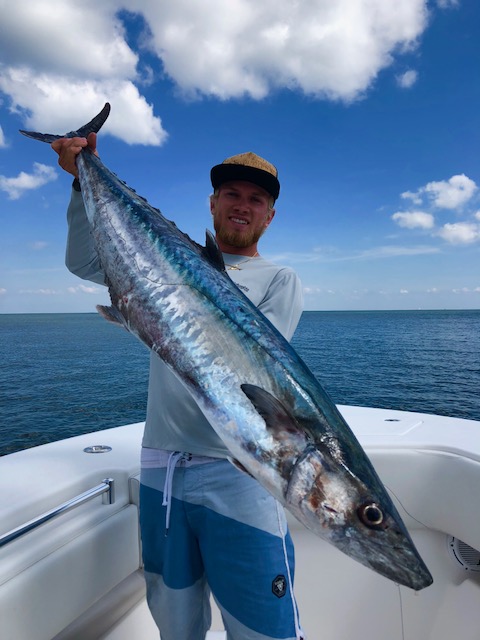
359, 520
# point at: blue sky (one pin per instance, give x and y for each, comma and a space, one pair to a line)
369, 109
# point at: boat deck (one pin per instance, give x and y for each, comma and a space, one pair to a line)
90, 556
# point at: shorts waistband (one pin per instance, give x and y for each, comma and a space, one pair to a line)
158, 459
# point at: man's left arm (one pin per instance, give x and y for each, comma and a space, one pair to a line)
283, 304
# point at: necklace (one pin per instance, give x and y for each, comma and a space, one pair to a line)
236, 266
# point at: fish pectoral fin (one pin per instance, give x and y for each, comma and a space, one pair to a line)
276, 415
112, 314
212, 252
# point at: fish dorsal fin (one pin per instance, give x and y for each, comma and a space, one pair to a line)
276, 415
212, 252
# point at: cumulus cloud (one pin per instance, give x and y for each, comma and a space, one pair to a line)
453, 193
445, 194
414, 219
413, 196
3, 142
460, 232
58, 111
327, 49
219, 48
457, 194
407, 79
15, 187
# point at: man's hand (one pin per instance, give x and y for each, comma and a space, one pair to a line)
69, 148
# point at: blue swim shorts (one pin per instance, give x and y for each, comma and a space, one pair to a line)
206, 526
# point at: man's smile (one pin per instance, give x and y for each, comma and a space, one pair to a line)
238, 220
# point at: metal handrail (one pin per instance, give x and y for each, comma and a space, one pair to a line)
107, 486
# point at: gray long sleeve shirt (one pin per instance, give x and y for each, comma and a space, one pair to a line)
174, 421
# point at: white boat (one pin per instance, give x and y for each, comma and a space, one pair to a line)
78, 574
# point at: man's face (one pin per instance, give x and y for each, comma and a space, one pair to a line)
241, 214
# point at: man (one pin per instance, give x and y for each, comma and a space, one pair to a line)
206, 525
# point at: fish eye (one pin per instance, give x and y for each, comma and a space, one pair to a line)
371, 515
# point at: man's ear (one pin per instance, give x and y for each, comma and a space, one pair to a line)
212, 203
269, 218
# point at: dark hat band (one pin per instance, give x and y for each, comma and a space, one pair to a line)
228, 172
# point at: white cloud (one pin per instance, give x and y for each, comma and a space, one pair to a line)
407, 79
444, 194
83, 288
414, 219
458, 193
2, 291
41, 292
328, 49
394, 251
453, 193
61, 60
375, 253
410, 195
52, 109
3, 142
460, 232
15, 187
47, 37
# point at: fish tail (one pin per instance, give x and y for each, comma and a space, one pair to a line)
93, 126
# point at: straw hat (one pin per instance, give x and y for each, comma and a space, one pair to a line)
249, 167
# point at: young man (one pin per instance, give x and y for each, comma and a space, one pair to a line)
205, 525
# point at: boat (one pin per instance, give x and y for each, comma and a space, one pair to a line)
70, 556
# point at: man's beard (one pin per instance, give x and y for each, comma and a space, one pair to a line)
237, 239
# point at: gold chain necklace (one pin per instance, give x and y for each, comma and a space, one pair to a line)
236, 266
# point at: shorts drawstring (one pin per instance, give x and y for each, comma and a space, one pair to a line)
173, 458
299, 633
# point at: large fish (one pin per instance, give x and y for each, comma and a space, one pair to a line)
259, 396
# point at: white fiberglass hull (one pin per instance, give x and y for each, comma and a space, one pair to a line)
78, 576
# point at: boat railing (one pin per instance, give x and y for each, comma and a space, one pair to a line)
105, 488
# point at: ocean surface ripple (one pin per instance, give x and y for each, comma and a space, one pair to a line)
66, 374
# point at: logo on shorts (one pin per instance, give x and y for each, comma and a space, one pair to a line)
279, 586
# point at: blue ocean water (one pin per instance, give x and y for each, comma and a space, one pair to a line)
67, 374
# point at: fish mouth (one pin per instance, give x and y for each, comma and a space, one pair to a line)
398, 561
416, 577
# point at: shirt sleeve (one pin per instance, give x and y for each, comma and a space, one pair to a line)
81, 257
283, 303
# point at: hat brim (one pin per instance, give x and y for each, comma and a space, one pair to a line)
229, 172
